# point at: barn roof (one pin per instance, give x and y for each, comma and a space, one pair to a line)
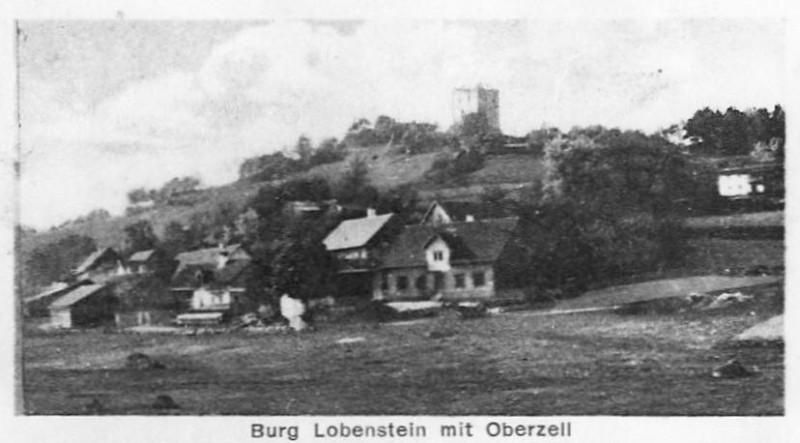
76, 295
54, 288
208, 255
232, 274
95, 258
142, 256
356, 232
472, 242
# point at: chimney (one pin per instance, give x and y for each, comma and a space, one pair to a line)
469, 218
370, 212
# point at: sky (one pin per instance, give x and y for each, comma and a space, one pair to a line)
109, 106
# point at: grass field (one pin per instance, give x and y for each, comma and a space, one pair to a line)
514, 363
709, 255
655, 289
752, 219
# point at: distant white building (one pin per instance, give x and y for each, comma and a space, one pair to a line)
765, 180
478, 99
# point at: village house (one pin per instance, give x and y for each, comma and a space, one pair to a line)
212, 282
356, 245
144, 299
765, 180
84, 306
145, 262
474, 259
101, 266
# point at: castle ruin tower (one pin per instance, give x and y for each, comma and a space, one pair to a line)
477, 99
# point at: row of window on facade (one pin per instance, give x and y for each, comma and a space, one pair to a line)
421, 283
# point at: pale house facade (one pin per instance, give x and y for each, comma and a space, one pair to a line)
457, 261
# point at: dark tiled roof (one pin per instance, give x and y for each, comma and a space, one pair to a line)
472, 242
233, 274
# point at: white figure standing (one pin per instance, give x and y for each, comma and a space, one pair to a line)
292, 310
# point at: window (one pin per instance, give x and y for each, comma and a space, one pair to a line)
422, 282
402, 282
459, 280
384, 281
438, 255
478, 279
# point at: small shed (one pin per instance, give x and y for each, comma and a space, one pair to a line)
84, 306
143, 262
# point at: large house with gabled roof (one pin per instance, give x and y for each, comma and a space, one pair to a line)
449, 255
476, 259
356, 245
213, 280
100, 266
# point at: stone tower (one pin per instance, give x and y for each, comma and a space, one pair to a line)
477, 99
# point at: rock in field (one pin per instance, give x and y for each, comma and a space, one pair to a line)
731, 369
165, 402
141, 362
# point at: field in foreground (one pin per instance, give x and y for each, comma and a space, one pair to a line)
515, 363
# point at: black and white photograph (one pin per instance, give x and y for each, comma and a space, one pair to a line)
408, 217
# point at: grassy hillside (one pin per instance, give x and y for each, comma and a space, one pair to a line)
388, 167
110, 232
510, 168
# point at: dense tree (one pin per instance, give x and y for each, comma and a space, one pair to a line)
617, 172
733, 132
178, 237
301, 267
268, 167
328, 151
139, 236
138, 195
53, 261
401, 200
608, 207
354, 186
179, 185
539, 138
385, 128
310, 189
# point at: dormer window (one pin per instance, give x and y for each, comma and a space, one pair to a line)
438, 255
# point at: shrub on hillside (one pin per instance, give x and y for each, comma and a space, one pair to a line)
445, 169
